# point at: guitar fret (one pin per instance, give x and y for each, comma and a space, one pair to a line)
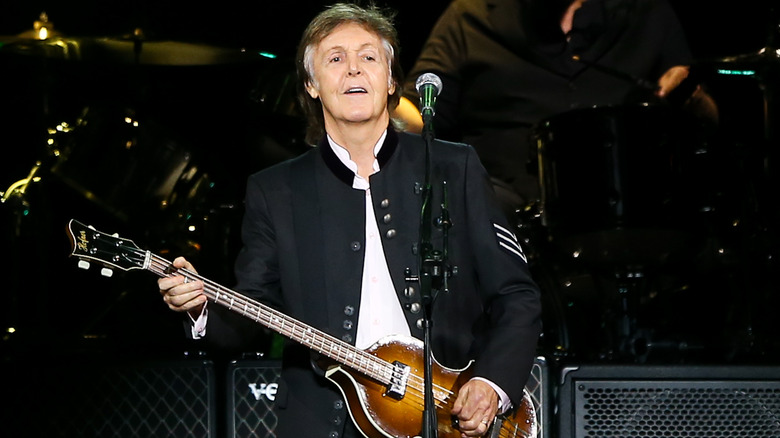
371, 368
360, 365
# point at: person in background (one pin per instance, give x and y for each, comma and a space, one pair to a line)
332, 238
507, 65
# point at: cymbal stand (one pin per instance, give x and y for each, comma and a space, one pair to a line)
15, 195
628, 283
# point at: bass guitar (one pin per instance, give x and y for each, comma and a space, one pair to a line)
383, 385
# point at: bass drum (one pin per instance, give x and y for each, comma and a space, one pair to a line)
130, 167
620, 184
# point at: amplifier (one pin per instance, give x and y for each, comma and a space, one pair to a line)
251, 391
88, 398
669, 401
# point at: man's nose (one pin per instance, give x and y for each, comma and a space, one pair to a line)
354, 68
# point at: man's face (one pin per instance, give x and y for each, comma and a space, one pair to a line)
351, 76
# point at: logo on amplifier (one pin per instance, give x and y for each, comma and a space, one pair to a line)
268, 390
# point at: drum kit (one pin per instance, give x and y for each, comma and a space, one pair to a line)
656, 239
152, 138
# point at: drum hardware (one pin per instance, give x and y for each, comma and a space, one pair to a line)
615, 183
628, 197
19, 188
127, 164
131, 49
763, 66
42, 29
749, 86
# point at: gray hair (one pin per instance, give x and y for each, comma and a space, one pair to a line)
373, 19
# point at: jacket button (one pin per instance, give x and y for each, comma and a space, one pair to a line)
415, 308
355, 246
420, 323
385, 203
348, 337
409, 291
387, 218
390, 233
347, 324
349, 310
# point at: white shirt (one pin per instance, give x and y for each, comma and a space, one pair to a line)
380, 312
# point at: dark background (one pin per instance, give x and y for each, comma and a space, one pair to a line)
222, 121
713, 29
203, 128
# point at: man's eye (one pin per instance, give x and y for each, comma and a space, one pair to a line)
369, 58
335, 59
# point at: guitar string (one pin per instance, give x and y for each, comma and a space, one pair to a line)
161, 267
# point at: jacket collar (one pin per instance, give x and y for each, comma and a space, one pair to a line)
341, 171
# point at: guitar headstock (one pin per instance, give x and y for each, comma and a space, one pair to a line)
111, 251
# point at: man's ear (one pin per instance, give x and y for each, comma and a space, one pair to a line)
312, 90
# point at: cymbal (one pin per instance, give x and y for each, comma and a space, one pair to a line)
764, 60
129, 51
170, 53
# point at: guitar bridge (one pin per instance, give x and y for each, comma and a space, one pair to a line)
397, 387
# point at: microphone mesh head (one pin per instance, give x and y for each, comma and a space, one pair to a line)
428, 79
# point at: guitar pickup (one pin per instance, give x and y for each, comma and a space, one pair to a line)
400, 376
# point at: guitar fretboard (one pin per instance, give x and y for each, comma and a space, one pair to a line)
317, 340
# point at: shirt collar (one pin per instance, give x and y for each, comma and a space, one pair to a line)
341, 171
343, 154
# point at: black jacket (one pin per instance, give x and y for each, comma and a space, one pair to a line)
303, 236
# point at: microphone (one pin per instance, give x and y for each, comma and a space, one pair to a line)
428, 87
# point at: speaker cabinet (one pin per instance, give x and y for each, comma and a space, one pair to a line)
251, 391
89, 398
669, 401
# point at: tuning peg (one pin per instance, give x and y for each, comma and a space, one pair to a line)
83, 264
106, 272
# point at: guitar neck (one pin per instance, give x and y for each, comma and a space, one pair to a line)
304, 334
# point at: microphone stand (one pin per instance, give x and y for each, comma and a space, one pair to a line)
433, 274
